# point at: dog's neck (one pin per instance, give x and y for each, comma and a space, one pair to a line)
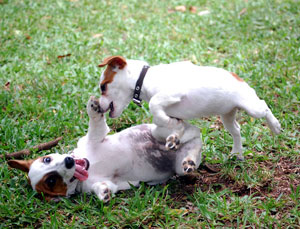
135, 68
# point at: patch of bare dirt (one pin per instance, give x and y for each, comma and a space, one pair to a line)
283, 179
286, 175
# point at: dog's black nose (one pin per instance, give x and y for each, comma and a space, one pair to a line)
69, 162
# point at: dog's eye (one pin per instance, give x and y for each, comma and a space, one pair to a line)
47, 160
103, 87
51, 181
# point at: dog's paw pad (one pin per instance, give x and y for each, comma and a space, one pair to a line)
93, 106
188, 166
106, 195
172, 142
96, 106
102, 191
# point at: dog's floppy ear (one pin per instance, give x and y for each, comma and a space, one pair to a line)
23, 165
114, 61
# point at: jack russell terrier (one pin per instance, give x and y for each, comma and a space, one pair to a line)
104, 164
181, 91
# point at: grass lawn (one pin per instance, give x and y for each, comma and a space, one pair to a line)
49, 52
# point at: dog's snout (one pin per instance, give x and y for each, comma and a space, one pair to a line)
69, 162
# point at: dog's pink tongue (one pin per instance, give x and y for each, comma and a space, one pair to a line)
80, 172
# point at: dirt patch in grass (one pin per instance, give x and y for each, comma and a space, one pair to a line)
281, 177
286, 174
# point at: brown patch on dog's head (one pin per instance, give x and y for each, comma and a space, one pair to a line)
237, 77
112, 62
52, 184
109, 75
23, 165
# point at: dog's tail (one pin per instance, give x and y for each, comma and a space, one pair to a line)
259, 109
273, 123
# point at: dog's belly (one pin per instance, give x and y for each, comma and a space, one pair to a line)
131, 155
149, 158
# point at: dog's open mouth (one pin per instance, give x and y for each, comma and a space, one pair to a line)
111, 109
81, 169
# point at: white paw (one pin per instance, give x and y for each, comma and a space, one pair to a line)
188, 165
93, 107
172, 142
102, 191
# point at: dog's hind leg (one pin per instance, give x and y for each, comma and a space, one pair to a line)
98, 128
259, 109
233, 127
188, 157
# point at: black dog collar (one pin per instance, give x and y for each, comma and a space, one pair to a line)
138, 86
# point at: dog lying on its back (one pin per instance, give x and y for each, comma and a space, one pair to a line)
181, 91
104, 164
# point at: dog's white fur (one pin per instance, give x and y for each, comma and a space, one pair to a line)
182, 91
115, 161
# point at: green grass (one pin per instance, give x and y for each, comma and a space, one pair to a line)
43, 97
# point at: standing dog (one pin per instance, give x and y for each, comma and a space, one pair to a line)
104, 164
181, 91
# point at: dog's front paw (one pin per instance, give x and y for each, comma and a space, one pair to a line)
102, 191
172, 142
106, 195
188, 166
93, 107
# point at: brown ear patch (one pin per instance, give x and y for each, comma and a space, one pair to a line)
23, 165
237, 77
52, 184
114, 61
